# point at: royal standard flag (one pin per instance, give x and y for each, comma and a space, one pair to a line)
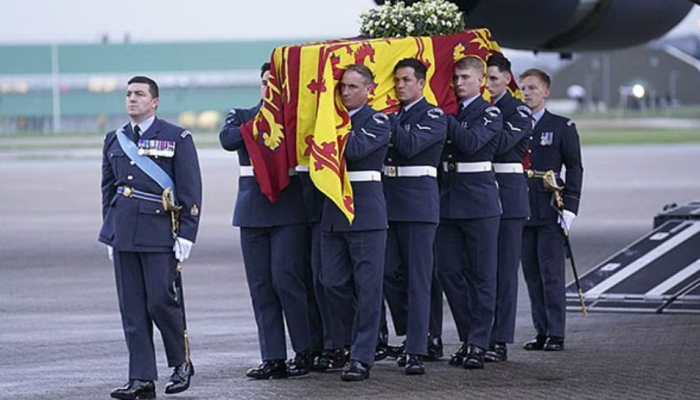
303, 122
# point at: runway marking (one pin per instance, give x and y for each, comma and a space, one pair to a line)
674, 280
659, 236
609, 267
643, 261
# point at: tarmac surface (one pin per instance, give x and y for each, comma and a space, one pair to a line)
61, 336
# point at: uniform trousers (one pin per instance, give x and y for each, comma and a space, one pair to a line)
352, 267
435, 327
467, 263
336, 326
147, 295
543, 269
315, 297
409, 260
277, 270
510, 238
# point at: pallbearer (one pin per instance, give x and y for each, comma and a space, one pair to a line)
470, 212
411, 190
352, 255
274, 242
512, 146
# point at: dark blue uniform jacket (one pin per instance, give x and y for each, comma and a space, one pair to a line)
253, 209
417, 139
555, 141
514, 142
471, 137
136, 225
365, 151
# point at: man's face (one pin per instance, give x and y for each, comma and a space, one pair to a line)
408, 87
263, 83
535, 92
140, 105
467, 82
497, 81
354, 90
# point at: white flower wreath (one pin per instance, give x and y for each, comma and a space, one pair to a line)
423, 18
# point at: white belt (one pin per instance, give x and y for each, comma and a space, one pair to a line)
364, 176
410, 170
247, 170
508, 168
483, 166
301, 168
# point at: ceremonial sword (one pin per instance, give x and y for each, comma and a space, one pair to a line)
549, 179
169, 205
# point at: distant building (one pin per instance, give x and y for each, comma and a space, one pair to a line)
88, 87
660, 74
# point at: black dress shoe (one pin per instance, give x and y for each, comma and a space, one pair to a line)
299, 365
330, 360
496, 353
535, 344
554, 343
275, 369
135, 389
382, 350
401, 360
414, 365
474, 358
321, 361
457, 358
180, 379
355, 371
380, 353
435, 351
396, 351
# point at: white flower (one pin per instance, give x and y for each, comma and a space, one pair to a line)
423, 18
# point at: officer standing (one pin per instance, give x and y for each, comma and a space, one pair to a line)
139, 162
555, 143
512, 184
411, 192
352, 254
274, 239
470, 210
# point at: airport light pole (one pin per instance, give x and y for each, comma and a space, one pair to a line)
55, 89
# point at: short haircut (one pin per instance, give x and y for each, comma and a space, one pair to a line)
471, 62
499, 61
363, 71
539, 74
264, 68
152, 85
419, 69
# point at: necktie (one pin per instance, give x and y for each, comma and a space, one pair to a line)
137, 133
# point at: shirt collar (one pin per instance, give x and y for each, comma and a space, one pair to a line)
497, 99
355, 111
408, 107
469, 101
537, 115
145, 124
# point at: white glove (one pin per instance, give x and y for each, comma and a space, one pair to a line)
566, 220
182, 249
110, 253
